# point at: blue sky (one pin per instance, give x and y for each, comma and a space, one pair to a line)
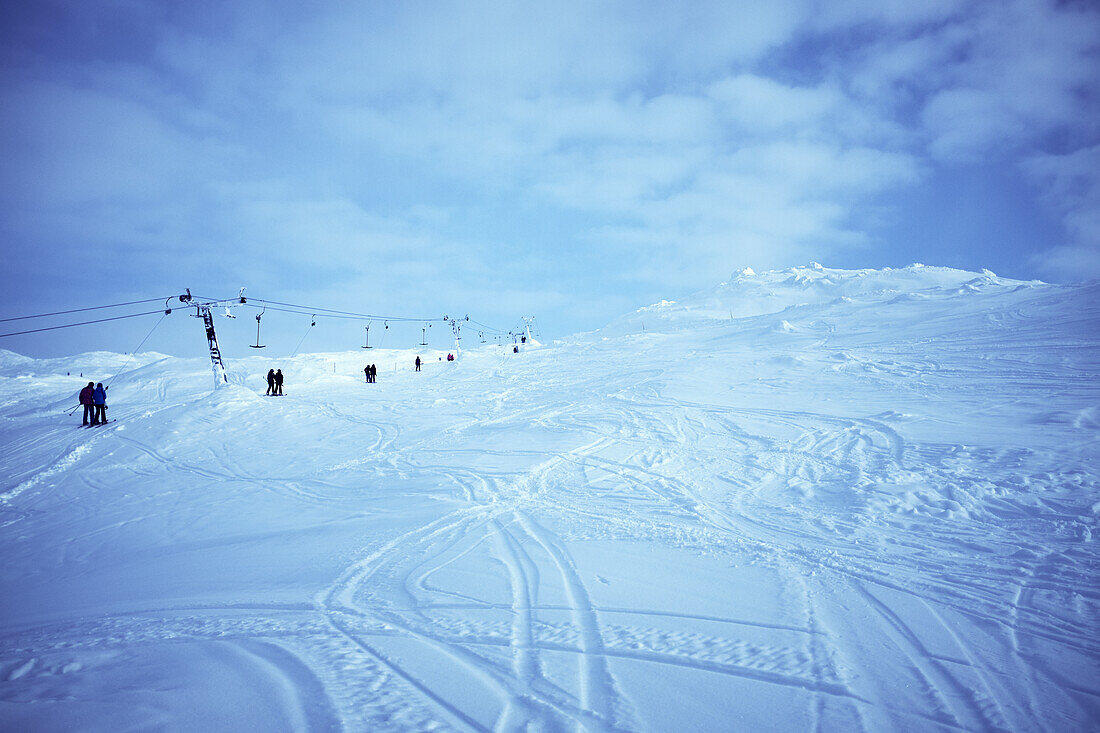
570, 160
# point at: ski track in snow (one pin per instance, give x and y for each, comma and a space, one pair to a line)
821, 520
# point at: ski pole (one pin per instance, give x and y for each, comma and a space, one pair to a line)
70, 412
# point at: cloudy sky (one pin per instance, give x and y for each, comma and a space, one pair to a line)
570, 160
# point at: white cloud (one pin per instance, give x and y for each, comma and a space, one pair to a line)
966, 124
761, 105
989, 78
1071, 186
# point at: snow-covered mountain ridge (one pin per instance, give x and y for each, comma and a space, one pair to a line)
748, 294
863, 500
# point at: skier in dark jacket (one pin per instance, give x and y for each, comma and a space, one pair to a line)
418, 363
99, 399
86, 398
373, 373
270, 381
278, 381
366, 373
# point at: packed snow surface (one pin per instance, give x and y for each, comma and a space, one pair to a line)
810, 499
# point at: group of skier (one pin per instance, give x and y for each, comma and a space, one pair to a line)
94, 397
94, 400
274, 382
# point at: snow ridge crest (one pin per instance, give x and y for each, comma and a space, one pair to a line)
749, 293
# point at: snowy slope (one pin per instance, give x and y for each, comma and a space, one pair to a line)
807, 499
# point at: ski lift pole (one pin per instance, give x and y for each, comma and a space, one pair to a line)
456, 327
258, 345
220, 377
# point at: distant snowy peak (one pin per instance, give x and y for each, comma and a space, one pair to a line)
913, 278
749, 293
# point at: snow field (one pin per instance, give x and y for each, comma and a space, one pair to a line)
865, 501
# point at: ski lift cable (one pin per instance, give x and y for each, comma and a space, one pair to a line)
307, 313
137, 349
82, 310
312, 323
354, 317
218, 302
213, 301
366, 316
321, 314
349, 315
297, 309
84, 323
486, 327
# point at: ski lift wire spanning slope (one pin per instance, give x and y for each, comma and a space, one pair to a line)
485, 331
312, 323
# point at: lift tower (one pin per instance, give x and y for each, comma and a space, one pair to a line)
220, 377
203, 311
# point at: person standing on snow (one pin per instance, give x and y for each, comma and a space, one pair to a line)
99, 399
86, 398
418, 363
278, 381
270, 381
366, 373
373, 373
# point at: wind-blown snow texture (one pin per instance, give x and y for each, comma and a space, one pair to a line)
810, 499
